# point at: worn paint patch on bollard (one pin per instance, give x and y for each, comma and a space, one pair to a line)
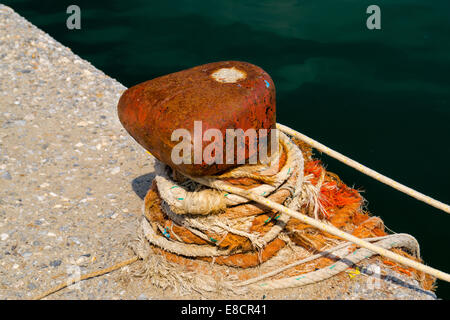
222, 95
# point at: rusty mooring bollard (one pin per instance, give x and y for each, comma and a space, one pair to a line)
222, 95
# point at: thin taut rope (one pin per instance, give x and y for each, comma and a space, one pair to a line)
371, 173
94, 274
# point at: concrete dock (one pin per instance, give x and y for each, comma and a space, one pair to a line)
72, 182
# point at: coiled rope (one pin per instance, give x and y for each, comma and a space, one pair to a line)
340, 251
324, 227
367, 248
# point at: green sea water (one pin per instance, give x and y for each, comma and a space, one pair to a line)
381, 97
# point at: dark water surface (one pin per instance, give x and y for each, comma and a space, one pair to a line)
381, 97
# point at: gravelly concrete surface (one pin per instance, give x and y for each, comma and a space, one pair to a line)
67, 166
72, 180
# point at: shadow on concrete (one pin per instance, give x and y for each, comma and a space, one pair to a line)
142, 184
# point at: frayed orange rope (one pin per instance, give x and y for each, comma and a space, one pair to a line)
333, 193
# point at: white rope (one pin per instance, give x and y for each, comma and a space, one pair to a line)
289, 177
220, 185
340, 251
212, 223
188, 250
400, 240
368, 249
179, 198
346, 261
371, 173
